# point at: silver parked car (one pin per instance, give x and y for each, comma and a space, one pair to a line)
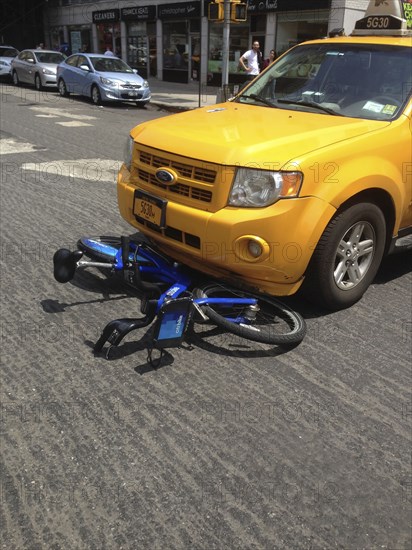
7, 54
36, 67
102, 78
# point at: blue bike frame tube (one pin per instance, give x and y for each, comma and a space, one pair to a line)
103, 248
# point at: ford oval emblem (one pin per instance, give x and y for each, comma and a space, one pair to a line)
165, 176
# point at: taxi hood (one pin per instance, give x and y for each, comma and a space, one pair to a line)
236, 134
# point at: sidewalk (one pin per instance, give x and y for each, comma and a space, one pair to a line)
181, 97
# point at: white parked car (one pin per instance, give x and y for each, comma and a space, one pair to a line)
36, 67
7, 54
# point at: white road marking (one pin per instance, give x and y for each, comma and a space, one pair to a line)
9, 146
85, 169
46, 116
61, 113
74, 123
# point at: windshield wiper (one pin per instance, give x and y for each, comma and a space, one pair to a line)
258, 98
310, 104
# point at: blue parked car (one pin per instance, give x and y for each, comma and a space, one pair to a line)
102, 78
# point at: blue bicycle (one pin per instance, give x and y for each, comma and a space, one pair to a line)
172, 297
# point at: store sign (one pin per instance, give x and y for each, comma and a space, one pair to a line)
181, 10
106, 16
255, 6
138, 13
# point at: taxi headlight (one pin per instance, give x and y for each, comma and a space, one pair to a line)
254, 188
127, 152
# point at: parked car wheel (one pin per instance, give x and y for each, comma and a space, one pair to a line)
37, 83
96, 95
62, 88
347, 257
15, 79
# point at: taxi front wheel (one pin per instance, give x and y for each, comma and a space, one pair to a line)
347, 257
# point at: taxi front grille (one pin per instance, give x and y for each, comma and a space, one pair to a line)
173, 233
179, 188
195, 173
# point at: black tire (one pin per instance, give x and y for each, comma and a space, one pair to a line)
15, 78
37, 83
62, 88
275, 322
96, 96
347, 257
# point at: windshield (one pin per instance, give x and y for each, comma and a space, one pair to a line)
110, 65
8, 52
353, 80
49, 57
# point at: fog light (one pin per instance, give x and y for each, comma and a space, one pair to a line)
254, 248
251, 248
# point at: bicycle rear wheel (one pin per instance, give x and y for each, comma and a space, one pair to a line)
271, 323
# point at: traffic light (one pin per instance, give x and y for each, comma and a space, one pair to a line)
216, 11
238, 11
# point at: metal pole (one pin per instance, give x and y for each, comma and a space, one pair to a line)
225, 47
199, 70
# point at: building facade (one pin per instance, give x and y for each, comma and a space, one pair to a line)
176, 42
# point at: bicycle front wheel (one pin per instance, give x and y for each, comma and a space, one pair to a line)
271, 322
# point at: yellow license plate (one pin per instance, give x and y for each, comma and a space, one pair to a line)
151, 209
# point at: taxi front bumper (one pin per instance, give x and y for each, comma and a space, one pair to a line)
219, 243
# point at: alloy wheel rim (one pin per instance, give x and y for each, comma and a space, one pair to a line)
354, 255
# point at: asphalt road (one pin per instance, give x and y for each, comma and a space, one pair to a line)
230, 445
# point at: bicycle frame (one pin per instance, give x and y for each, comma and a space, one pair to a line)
147, 270
161, 269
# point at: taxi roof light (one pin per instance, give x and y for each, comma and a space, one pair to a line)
386, 18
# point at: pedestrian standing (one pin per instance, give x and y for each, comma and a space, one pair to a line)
253, 58
109, 52
269, 60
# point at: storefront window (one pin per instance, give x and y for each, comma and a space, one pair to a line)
56, 38
295, 27
141, 47
239, 43
80, 39
137, 44
175, 45
108, 36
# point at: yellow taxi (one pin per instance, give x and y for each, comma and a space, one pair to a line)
303, 180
